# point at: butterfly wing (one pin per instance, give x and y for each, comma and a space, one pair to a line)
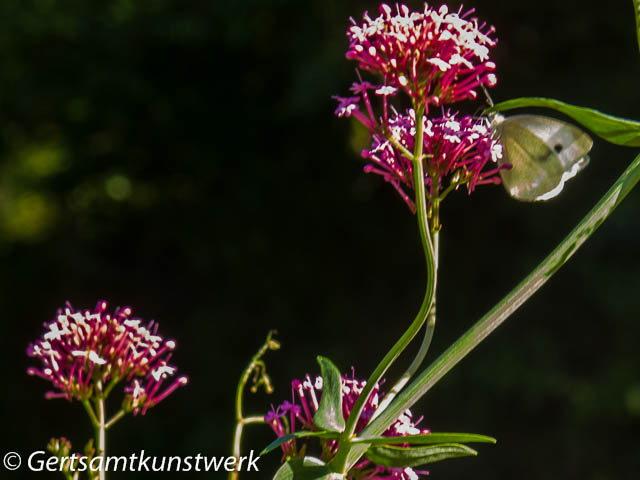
544, 153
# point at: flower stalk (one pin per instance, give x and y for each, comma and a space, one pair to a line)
258, 369
417, 160
435, 58
85, 354
424, 346
100, 428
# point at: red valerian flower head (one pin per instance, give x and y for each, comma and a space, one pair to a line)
83, 351
297, 415
435, 56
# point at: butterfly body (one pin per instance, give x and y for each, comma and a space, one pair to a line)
543, 153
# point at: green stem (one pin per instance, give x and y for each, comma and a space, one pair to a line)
452, 186
256, 364
91, 413
121, 413
494, 318
238, 436
398, 145
100, 430
114, 381
339, 461
424, 347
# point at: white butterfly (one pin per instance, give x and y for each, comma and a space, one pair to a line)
544, 153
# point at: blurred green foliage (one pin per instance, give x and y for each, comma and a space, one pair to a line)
182, 157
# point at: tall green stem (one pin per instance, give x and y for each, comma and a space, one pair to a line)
339, 461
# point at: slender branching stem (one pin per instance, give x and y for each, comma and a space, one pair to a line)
256, 368
121, 413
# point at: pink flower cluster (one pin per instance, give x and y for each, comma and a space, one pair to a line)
298, 415
435, 57
85, 353
462, 145
439, 56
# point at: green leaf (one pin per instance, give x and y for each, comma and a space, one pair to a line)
503, 310
329, 415
399, 457
428, 439
285, 438
613, 129
307, 468
636, 7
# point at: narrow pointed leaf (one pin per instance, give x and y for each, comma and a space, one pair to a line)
307, 468
399, 457
613, 129
497, 315
291, 436
428, 439
329, 415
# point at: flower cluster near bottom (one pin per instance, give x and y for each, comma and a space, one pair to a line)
290, 417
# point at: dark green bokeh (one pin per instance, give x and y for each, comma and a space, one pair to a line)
182, 157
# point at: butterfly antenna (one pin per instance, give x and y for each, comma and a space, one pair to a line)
486, 94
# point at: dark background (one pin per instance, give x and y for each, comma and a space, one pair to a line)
182, 157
